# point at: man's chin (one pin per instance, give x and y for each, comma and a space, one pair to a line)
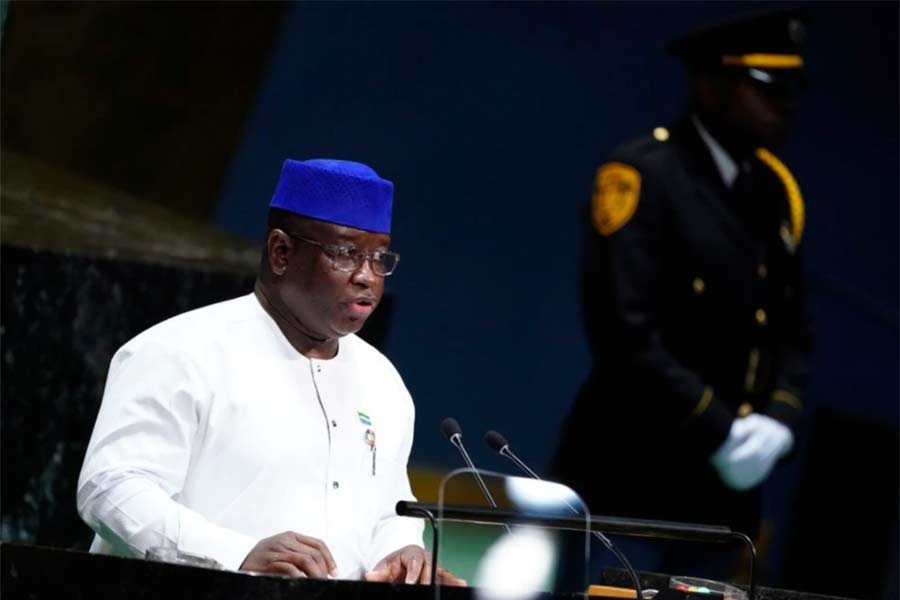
349, 326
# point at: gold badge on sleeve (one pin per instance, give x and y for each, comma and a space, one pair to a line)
617, 188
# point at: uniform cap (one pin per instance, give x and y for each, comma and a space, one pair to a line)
768, 44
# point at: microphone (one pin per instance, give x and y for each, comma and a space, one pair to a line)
498, 443
452, 431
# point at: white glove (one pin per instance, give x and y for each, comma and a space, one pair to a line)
754, 445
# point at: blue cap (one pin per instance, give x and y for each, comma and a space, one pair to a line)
336, 191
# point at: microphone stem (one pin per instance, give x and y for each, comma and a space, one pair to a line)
462, 450
505, 451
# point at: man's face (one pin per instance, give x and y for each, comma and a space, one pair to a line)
759, 114
327, 302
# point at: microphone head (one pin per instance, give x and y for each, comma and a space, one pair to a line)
495, 441
450, 428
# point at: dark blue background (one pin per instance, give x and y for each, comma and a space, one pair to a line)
491, 118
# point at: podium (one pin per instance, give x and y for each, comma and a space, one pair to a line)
40, 573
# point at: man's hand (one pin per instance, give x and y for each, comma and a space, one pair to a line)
754, 445
410, 564
291, 554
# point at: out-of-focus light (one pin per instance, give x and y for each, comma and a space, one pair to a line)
544, 497
517, 566
660, 133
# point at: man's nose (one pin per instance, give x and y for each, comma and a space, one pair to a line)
364, 274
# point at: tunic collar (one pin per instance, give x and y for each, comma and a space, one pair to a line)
728, 169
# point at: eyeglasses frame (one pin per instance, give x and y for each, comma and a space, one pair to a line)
333, 250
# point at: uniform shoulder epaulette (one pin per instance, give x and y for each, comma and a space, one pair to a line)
644, 147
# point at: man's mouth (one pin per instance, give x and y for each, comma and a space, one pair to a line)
362, 305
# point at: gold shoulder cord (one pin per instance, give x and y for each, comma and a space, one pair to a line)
704, 402
794, 197
788, 398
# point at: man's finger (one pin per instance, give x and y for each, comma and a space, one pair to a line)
284, 568
330, 564
315, 548
306, 562
413, 568
383, 574
321, 560
396, 568
425, 576
309, 554
448, 578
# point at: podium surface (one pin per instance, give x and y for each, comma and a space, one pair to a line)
37, 572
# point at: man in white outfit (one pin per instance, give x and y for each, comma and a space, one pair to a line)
261, 431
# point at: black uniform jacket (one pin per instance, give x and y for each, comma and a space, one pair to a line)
695, 310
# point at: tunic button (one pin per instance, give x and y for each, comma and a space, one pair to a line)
761, 316
335, 485
745, 409
699, 286
762, 271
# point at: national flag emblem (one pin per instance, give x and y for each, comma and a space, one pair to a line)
364, 418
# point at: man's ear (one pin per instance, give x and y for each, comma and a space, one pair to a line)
278, 250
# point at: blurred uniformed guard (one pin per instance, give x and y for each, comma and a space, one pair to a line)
693, 294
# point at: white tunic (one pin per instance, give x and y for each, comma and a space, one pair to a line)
214, 433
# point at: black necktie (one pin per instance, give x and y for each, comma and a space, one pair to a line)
748, 207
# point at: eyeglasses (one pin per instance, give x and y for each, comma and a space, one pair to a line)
349, 259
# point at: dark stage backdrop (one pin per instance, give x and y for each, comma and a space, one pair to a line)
491, 119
